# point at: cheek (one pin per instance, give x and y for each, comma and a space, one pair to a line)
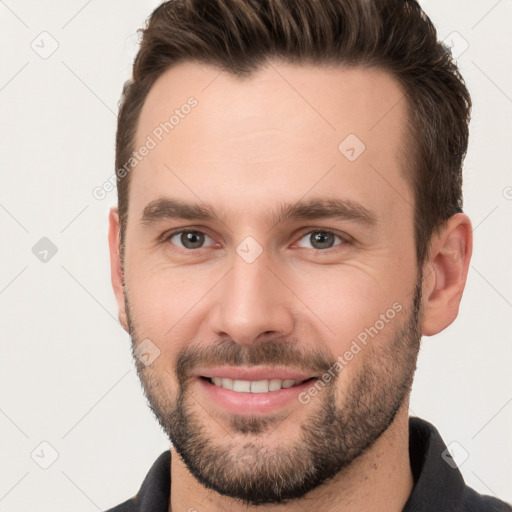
351, 304
364, 316
163, 301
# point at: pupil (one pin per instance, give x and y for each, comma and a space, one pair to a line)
319, 238
191, 239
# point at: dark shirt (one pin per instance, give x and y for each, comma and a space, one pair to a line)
438, 483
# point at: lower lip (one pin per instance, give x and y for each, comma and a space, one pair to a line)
252, 403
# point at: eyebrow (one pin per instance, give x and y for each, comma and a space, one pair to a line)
166, 208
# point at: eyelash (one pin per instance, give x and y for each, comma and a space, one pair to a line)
345, 239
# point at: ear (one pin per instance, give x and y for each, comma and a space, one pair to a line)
445, 273
116, 270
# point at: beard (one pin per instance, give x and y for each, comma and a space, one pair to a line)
260, 469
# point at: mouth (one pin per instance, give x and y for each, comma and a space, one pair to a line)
255, 386
242, 390
253, 397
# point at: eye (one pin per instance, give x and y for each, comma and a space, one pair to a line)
319, 239
322, 239
189, 239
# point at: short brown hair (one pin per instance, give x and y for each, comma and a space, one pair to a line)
239, 36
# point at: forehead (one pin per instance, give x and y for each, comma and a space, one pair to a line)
286, 129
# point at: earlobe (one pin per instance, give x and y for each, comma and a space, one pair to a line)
116, 270
448, 266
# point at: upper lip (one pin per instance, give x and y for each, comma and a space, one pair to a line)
252, 374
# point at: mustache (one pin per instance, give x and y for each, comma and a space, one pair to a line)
271, 353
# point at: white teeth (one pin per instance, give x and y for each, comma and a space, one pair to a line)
259, 386
254, 386
274, 384
226, 383
243, 386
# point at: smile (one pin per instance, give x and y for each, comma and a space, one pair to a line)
254, 386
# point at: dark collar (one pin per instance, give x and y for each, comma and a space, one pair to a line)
438, 484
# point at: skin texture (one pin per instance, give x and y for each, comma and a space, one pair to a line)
247, 147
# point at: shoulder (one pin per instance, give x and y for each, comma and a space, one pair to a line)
474, 502
155, 489
127, 506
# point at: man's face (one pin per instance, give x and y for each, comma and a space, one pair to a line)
255, 295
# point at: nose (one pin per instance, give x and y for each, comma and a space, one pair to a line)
252, 302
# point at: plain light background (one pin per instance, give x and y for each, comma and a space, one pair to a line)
66, 375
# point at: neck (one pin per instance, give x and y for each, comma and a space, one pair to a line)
380, 479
